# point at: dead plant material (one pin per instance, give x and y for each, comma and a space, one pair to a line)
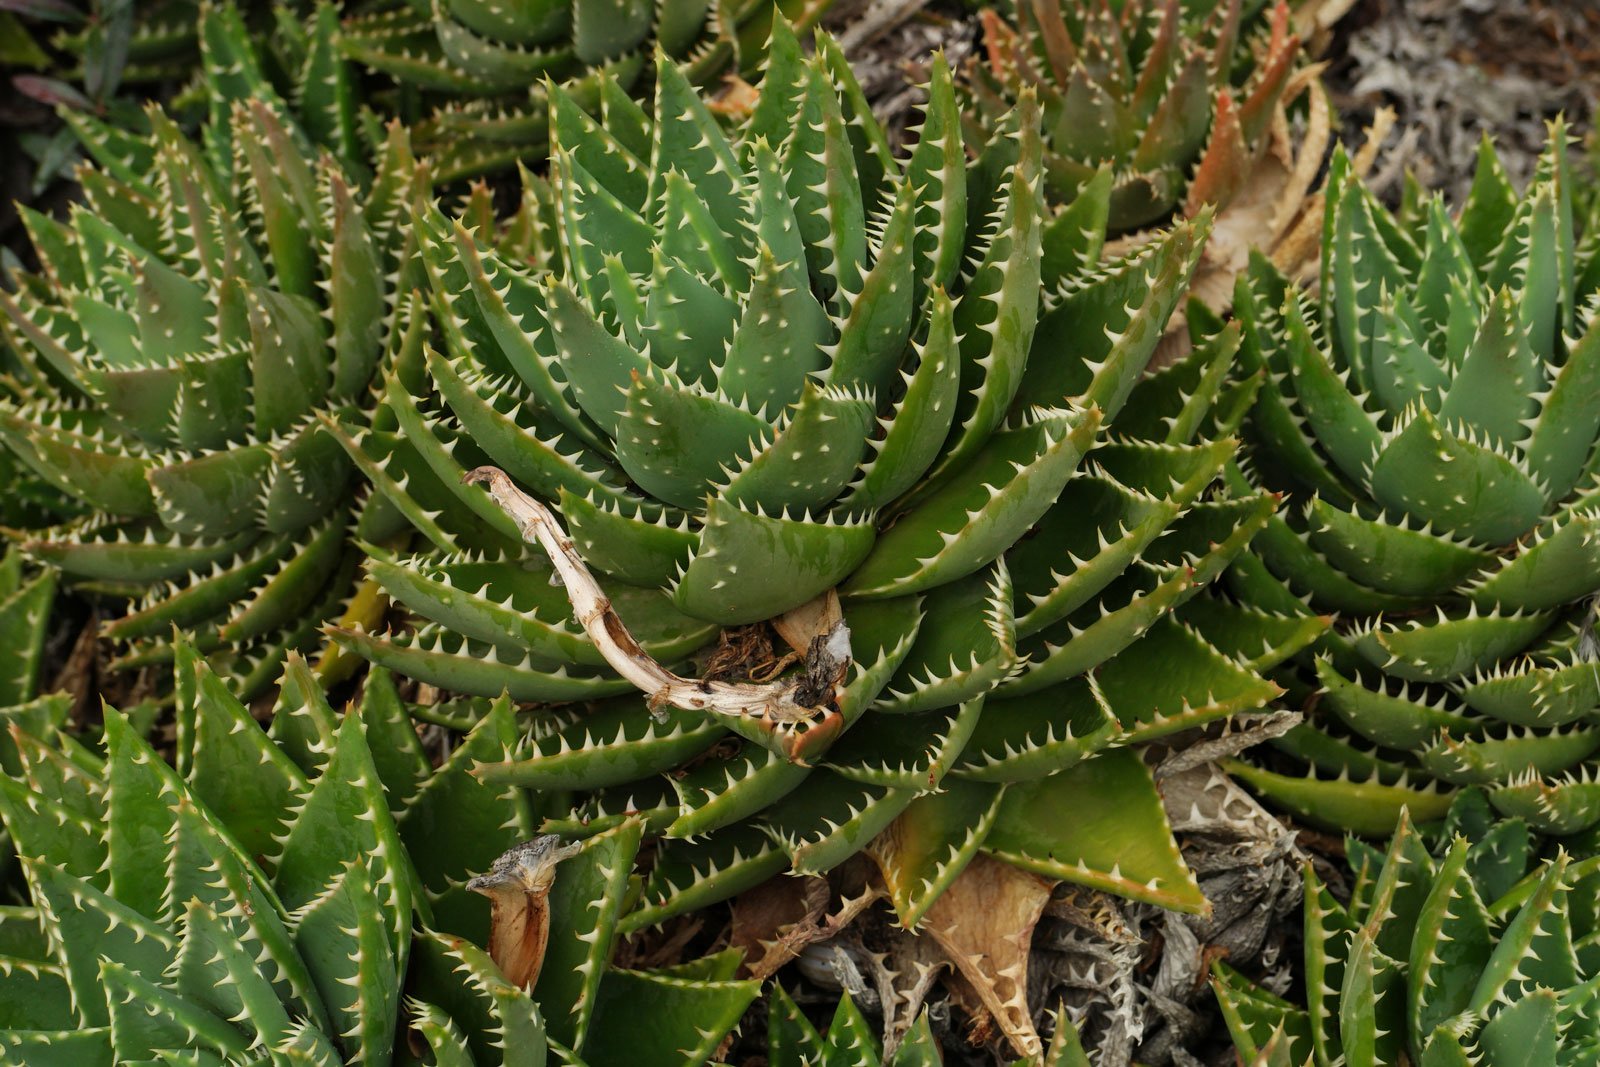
984, 923
810, 695
518, 887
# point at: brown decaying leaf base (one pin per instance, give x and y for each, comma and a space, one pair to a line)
984, 922
518, 888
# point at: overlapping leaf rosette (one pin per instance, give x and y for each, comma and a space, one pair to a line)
787, 363
1435, 417
1469, 948
305, 894
473, 74
188, 322
1176, 99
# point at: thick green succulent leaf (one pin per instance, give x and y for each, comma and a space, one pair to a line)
501, 1023
459, 664
444, 1038
913, 752
492, 601
1025, 738
203, 869
1558, 565
618, 742
1327, 928
676, 440
983, 508
71, 450
147, 1018
1198, 683
1117, 840
622, 541
1104, 518
80, 1047
686, 1018
1567, 424
750, 565
1566, 805
347, 815
1449, 947
41, 829
1390, 554
1458, 484
86, 926
811, 455
1492, 758
828, 819
1255, 638
344, 938
1371, 808
723, 790
1535, 947
230, 763
1256, 1018
459, 822
919, 422
931, 842
1404, 719
1372, 1005
998, 311
1448, 647
965, 644
585, 903
689, 875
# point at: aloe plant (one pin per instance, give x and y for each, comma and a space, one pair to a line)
1435, 421
279, 895
782, 384
1176, 98
26, 599
187, 324
1470, 952
486, 68
848, 1040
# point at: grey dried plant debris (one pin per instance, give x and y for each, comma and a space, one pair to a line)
1457, 69
1133, 977
891, 44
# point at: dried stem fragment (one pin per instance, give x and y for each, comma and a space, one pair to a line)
796, 699
518, 888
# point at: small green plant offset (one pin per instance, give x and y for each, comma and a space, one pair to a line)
289, 898
1435, 418
1471, 952
1175, 98
485, 68
761, 374
188, 323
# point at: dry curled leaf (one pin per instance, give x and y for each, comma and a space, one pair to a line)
984, 923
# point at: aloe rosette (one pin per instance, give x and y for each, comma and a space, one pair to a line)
1469, 949
483, 68
188, 323
1435, 419
1175, 99
299, 895
788, 362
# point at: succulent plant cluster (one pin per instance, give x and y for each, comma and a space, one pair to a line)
759, 373
1435, 419
1176, 99
288, 896
189, 324
487, 67
757, 496
1471, 951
